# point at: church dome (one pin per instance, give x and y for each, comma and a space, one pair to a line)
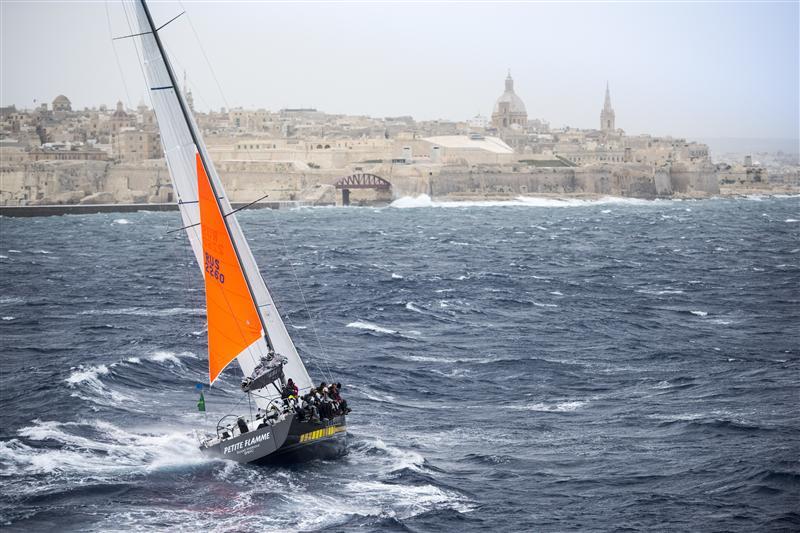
62, 103
513, 103
120, 112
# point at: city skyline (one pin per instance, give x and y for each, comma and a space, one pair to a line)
706, 84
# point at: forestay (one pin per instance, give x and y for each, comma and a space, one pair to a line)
185, 153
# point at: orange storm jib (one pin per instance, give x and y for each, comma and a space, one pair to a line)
233, 321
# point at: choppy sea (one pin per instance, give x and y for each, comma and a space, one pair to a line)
535, 365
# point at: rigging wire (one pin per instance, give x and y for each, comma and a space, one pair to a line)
116, 54
322, 352
205, 56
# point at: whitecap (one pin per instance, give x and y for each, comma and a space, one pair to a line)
14, 252
112, 451
560, 407
791, 220
424, 200
163, 356
87, 374
396, 276
298, 327
45, 252
9, 317
121, 221
537, 304
699, 313
370, 327
411, 307
138, 311
3, 256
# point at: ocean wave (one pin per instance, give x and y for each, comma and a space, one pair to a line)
163, 356
423, 200
560, 407
86, 383
699, 313
122, 221
9, 318
139, 311
411, 307
371, 327
87, 374
95, 447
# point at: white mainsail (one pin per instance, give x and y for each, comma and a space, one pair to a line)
181, 141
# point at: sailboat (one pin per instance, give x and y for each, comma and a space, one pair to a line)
243, 322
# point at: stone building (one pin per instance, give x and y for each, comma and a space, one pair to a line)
509, 108
131, 145
607, 114
120, 119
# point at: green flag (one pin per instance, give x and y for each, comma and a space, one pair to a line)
201, 403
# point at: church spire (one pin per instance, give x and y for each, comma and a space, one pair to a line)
607, 114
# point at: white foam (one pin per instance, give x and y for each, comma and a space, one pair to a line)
3, 256
660, 292
111, 449
537, 304
9, 318
87, 374
138, 311
163, 356
424, 200
411, 307
298, 327
560, 407
791, 220
121, 221
14, 251
370, 327
45, 252
699, 313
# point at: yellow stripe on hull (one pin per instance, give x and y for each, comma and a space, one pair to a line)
322, 433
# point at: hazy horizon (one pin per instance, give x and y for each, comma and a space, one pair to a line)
702, 71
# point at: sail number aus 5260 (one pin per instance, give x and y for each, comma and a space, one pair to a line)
212, 267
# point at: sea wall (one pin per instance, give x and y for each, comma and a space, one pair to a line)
72, 182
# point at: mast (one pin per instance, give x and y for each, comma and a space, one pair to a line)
201, 151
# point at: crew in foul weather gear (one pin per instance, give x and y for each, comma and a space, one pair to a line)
289, 390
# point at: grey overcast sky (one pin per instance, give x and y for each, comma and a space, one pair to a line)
686, 69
